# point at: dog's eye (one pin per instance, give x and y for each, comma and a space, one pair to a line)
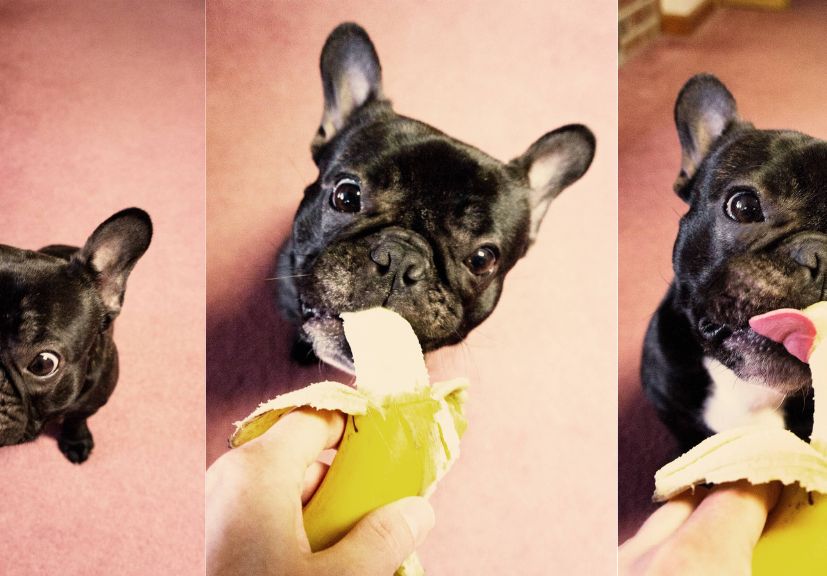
744, 206
346, 196
482, 261
44, 365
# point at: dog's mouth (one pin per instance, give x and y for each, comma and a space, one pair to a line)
14, 426
752, 356
317, 313
713, 332
325, 331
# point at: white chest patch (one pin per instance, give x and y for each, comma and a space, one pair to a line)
736, 402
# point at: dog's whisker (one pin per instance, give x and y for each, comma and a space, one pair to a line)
468, 361
285, 277
295, 167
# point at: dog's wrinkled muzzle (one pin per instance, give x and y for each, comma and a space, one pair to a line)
809, 250
17, 423
402, 258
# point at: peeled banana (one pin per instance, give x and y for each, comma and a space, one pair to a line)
401, 436
794, 540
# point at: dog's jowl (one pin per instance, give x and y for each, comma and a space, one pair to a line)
58, 361
404, 216
753, 240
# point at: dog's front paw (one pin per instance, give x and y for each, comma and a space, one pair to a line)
76, 451
76, 443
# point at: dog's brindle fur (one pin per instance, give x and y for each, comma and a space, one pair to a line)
62, 300
428, 202
703, 367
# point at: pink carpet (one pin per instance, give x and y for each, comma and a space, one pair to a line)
101, 108
775, 64
534, 491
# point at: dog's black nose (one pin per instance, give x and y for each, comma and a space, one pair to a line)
403, 263
810, 252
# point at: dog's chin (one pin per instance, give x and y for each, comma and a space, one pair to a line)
15, 435
760, 360
14, 424
327, 335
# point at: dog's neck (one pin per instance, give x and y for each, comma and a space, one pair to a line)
734, 402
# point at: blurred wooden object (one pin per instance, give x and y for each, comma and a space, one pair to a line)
685, 23
638, 24
766, 4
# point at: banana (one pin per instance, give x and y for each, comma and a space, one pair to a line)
401, 435
794, 540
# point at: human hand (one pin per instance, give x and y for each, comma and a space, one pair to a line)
712, 531
254, 499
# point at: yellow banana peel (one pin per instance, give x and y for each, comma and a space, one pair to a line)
794, 540
401, 435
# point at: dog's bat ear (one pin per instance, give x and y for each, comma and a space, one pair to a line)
351, 77
553, 163
111, 252
705, 109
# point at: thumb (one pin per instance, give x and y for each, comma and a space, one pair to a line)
382, 540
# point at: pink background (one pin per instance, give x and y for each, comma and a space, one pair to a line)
534, 491
101, 108
775, 64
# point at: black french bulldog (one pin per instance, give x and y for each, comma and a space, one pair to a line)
406, 217
57, 356
754, 240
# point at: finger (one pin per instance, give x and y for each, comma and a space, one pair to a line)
293, 443
312, 478
381, 541
659, 526
725, 526
274, 466
739, 508
666, 519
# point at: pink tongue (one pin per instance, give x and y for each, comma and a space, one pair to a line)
788, 327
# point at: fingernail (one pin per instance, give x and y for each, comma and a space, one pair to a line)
419, 516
